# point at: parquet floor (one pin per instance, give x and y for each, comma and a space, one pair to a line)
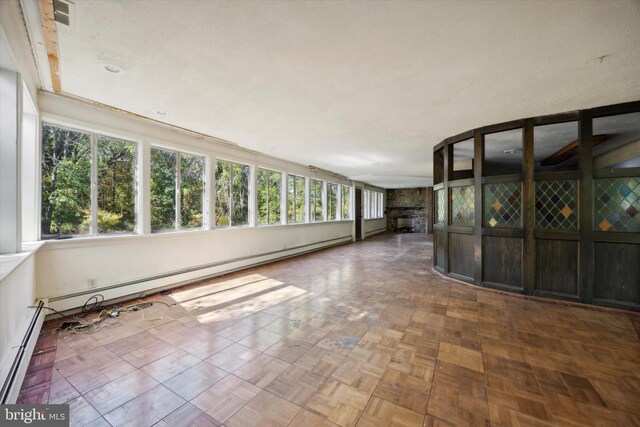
358, 335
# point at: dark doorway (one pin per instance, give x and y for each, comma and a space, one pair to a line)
358, 214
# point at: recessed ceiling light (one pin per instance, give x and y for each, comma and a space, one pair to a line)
113, 68
512, 151
161, 112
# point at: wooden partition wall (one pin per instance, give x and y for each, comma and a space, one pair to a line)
567, 233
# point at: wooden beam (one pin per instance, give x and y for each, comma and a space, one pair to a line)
569, 151
617, 155
51, 41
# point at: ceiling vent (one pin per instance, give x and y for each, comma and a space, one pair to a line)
62, 11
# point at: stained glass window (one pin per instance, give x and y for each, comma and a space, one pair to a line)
462, 206
617, 204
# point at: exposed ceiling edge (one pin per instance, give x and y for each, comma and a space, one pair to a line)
48, 25
35, 34
320, 173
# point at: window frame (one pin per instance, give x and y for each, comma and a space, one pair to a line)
305, 185
338, 212
283, 176
178, 190
93, 176
253, 182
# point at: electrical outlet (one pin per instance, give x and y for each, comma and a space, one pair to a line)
91, 283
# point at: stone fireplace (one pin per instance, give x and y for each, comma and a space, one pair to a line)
407, 210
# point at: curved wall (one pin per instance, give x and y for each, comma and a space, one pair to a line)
559, 219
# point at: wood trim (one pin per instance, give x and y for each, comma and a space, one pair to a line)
462, 182
613, 110
603, 309
569, 116
458, 229
501, 179
586, 268
48, 21
503, 287
557, 175
616, 173
556, 295
556, 235
460, 137
616, 237
448, 168
501, 127
503, 232
528, 209
478, 169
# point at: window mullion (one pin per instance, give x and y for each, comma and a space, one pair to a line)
231, 173
93, 229
268, 191
178, 191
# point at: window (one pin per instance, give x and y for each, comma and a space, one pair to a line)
367, 206
163, 190
66, 182
373, 204
177, 199
232, 194
68, 205
346, 201
191, 191
116, 186
332, 201
269, 187
316, 197
295, 199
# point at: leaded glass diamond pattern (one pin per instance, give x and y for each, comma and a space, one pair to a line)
617, 204
557, 205
462, 206
502, 205
439, 206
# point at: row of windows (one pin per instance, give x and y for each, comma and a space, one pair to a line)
373, 204
80, 196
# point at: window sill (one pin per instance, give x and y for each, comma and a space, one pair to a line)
115, 239
10, 262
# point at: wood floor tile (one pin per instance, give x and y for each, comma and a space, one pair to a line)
206, 346
260, 340
146, 409
297, 385
82, 361
339, 403
458, 355
380, 412
188, 415
288, 349
232, 357
61, 390
170, 365
320, 361
404, 389
92, 378
264, 409
193, 381
225, 398
119, 391
360, 334
148, 354
81, 412
262, 370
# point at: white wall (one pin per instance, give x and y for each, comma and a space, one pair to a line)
70, 271
375, 226
16, 294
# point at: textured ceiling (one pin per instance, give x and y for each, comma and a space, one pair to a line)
365, 89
